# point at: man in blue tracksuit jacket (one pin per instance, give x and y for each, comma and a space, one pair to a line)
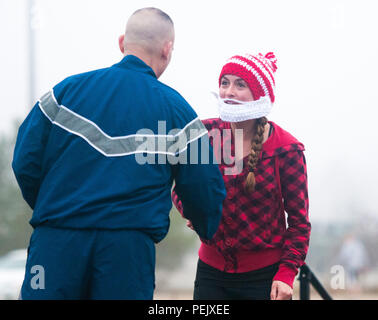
95, 165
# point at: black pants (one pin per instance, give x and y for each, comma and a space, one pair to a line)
213, 284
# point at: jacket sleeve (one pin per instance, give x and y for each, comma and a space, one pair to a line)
198, 181
293, 176
27, 158
199, 188
175, 198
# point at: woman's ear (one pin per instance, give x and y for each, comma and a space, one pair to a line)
121, 43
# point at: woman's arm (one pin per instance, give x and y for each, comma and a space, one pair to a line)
293, 178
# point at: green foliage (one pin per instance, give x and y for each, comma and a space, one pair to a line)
14, 212
179, 240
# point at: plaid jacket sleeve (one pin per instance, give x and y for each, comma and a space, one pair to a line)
177, 202
293, 179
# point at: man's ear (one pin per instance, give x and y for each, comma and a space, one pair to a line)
167, 49
121, 43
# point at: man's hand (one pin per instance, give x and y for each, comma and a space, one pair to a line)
280, 291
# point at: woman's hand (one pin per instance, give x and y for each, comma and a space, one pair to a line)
280, 291
189, 224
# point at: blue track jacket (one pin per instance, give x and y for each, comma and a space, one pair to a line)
101, 151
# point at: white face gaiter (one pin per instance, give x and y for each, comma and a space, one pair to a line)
243, 110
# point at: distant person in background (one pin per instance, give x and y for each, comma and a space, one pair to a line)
354, 258
97, 211
254, 255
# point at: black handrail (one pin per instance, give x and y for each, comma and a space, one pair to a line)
307, 278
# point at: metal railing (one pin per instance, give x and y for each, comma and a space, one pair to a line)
307, 278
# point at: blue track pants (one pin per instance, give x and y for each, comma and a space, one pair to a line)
89, 264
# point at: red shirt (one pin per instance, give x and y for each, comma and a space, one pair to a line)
254, 231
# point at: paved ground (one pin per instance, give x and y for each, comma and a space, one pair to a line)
339, 295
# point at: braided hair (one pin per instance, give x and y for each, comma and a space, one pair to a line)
253, 158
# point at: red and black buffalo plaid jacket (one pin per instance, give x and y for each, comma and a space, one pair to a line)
254, 231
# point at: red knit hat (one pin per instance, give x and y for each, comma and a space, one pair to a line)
257, 70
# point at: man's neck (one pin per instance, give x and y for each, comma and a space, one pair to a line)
146, 58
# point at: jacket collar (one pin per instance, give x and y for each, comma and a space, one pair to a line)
132, 62
280, 142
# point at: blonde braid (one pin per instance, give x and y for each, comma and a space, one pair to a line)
253, 158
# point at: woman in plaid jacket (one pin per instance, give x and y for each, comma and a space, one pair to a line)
256, 251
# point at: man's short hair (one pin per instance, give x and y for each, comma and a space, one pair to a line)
149, 28
156, 10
